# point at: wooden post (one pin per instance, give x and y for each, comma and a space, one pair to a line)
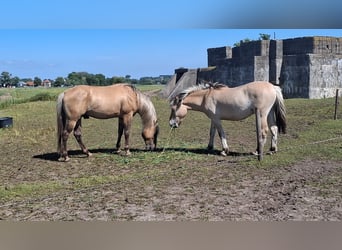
336, 104
259, 135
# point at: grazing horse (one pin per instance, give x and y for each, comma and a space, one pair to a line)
118, 100
219, 102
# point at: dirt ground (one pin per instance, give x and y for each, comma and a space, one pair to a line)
259, 194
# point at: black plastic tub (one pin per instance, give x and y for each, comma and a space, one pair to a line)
6, 122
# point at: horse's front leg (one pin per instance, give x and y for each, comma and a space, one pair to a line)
127, 122
120, 132
222, 135
212, 136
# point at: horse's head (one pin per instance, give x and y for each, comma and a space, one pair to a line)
178, 111
150, 136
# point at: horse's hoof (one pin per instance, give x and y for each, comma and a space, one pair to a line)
89, 154
63, 159
124, 153
255, 153
273, 150
223, 153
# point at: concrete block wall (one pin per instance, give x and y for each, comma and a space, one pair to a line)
307, 67
325, 75
216, 56
295, 76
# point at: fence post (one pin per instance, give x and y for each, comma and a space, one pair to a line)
336, 104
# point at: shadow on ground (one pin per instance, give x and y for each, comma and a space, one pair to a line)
79, 154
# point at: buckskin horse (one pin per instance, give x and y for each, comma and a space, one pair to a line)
104, 102
219, 102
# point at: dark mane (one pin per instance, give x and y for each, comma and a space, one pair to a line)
131, 85
216, 85
201, 86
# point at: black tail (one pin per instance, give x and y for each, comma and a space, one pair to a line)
280, 111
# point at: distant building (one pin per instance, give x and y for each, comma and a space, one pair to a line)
46, 83
29, 84
21, 84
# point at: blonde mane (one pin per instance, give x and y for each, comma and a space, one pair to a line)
146, 109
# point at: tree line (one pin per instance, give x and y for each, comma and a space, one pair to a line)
262, 36
78, 78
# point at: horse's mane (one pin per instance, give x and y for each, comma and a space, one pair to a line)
201, 86
146, 108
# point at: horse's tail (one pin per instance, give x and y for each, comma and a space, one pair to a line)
280, 111
60, 120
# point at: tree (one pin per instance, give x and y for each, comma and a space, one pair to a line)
263, 36
14, 81
100, 79
246, 40
5, 79
77, 78
37, 81
59, 81
116, 79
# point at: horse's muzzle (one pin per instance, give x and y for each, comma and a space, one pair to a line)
150, 147
173, 124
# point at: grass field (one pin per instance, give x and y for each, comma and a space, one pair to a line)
181, 180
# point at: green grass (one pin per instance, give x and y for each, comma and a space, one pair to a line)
24, 95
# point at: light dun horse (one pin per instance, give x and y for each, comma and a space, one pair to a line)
219, 102
118, 100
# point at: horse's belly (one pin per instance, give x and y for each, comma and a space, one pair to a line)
102, 115
236, 115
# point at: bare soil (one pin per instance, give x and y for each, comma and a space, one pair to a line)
226, 193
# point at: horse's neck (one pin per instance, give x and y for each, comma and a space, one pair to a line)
194, 100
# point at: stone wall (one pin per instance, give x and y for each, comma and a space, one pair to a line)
325, 75
307, 67
295, 76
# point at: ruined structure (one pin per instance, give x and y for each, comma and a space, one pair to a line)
307, 67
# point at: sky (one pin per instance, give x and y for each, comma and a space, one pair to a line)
49, 39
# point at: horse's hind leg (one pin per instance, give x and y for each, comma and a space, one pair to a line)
262, 130
63, 149
69, 126
274, 131
78, 136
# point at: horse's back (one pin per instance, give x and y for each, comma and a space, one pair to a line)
240, 102
100, 101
